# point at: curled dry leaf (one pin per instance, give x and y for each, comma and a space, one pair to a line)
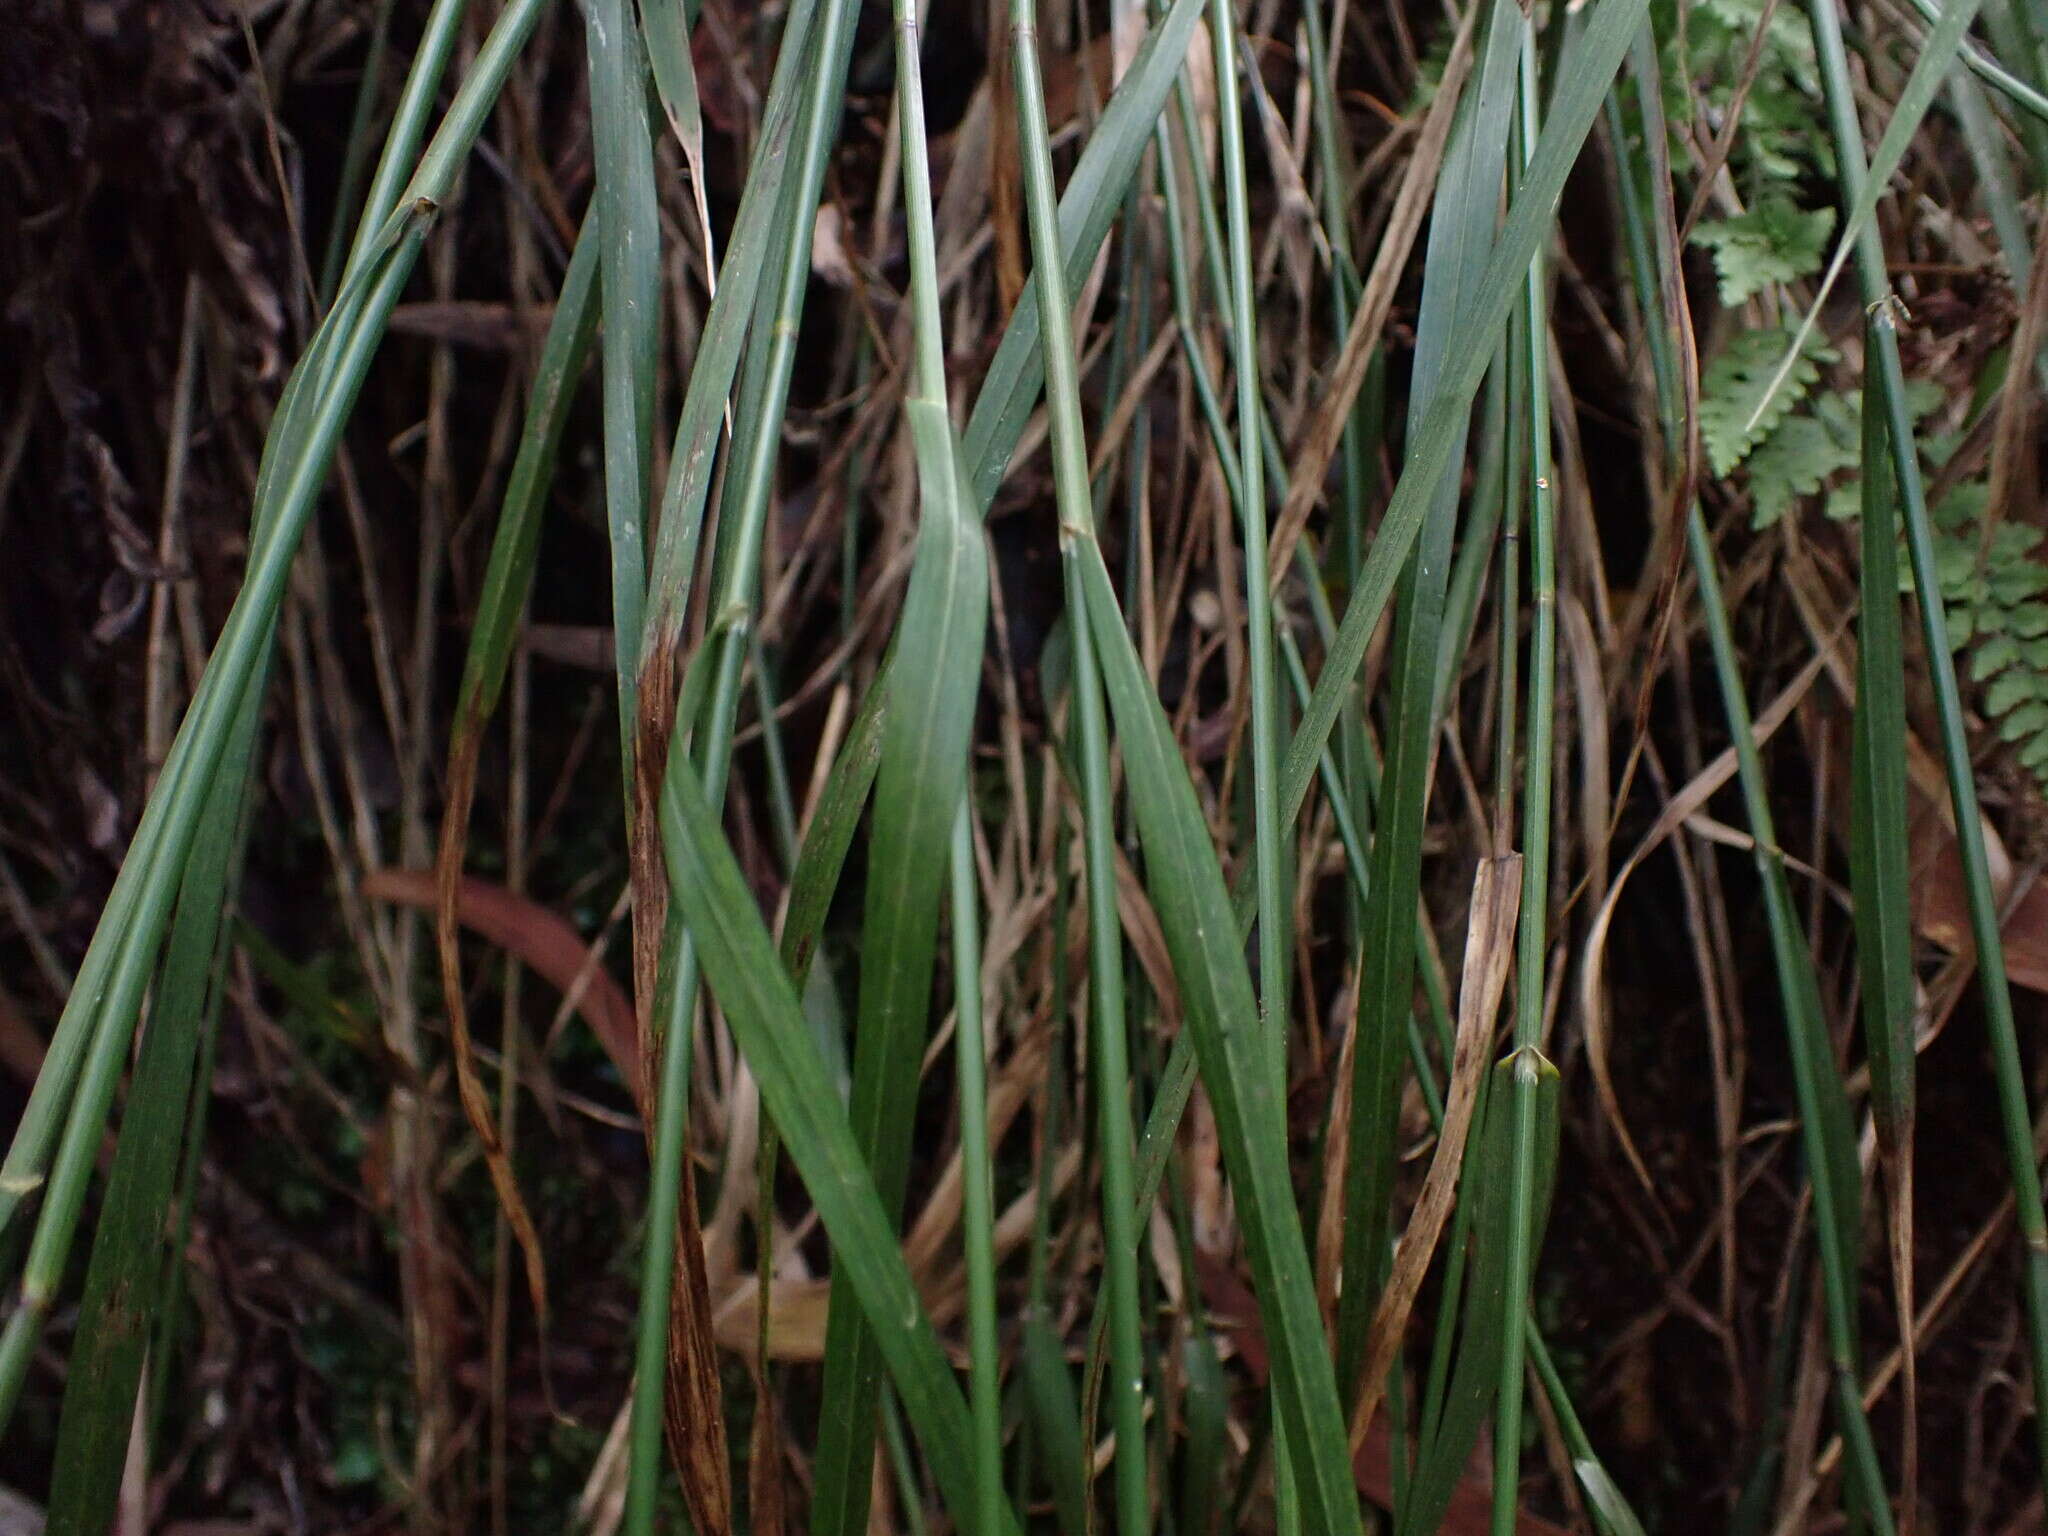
1941, 903
541, 939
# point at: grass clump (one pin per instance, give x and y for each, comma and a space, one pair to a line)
1190, 724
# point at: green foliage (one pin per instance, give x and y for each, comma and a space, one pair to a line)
1774, 242
785, 1017
1923, 398
1738, 379
1994, 585
1801, 451
1777, 142
1994, 588
1444, 1454
1797, 458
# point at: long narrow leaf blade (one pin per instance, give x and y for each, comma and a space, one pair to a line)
1877, 865
1460, 229
761, 1006
918, 788
629, 228
1091, 202
127, 1253
1236, 1061
1474, 1380
1589, 71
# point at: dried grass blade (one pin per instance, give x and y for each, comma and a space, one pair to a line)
1440, 1463
1489, 954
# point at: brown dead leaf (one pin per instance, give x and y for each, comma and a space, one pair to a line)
1489, 951
543, 941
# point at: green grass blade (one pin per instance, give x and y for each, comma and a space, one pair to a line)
1581, 89
127, 1265
1533, 941
910, 1490
1992, 73
1270, 858
1048, 1392
1985, 140
1049, 1387
138, 907
674, 1361
91, 1040
1878, 875
743, 523
1269, 862
1825, 1125
1930, 69
747, 258
1488, 1184
815, 879
355, 158
1203, 1456
2021, 36
629, 228
1109, 1044
1178, 1075
1236, 1062
918, 789
2014, 1114
508, 578
978, 1194
508, 583
761, 1006
919, 821
629, 232
109, 981
666, 26
166, 1335
672, 1344
408, 123
778, 321
1461, 228
1478, 547
1361, 431
1823, 1102
2009, 1072
1612, 1513
1094, 195
1122, 1220
1764, 1450
107, 996
1609, 1507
